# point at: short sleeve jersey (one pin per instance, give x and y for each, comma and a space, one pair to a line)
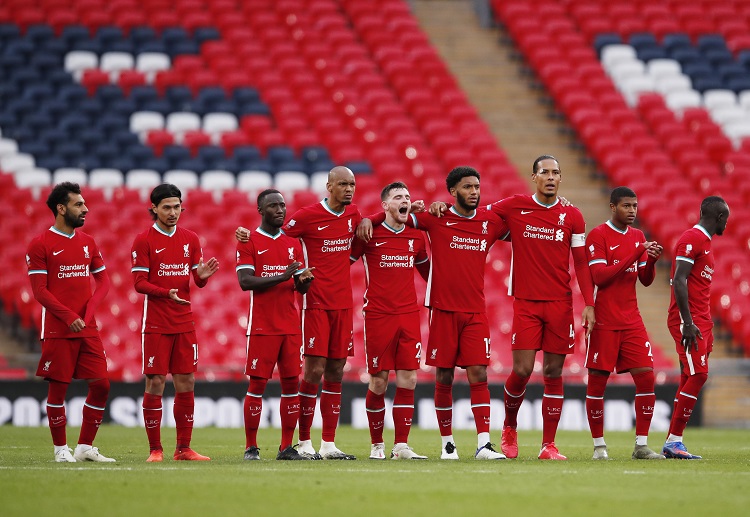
542, 236
68, 261
694, 247
273, 311
389, 259
168, 261
326, 238
616, 303
459, 247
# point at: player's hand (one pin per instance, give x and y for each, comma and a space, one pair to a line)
306, 276
690, 336
438, 208
78, 325
417, 207
653, 249
290, 270
205, 270
564, 201
364, 230
173, 296
242, 234
588, 320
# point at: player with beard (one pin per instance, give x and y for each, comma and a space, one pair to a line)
459, 331
60, 262
619, 255
689, 318
326, 230
265, 265
164, 257
392, 329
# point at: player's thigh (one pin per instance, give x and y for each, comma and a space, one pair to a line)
262, 352
602, 349
58, 359
442, 346
315, 332
381, 337
157, 352
92, 362
474, 341
635, 350
290, 356
528, 325
184, 358
693, 361
409, 346
341, 339
558, 335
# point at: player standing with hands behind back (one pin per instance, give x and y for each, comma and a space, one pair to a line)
164, 257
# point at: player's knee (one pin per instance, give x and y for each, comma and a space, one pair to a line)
378, 385
698, 380
406, 379
99, 389
444, 376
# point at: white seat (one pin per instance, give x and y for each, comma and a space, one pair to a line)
141, 122
77, 61
727, 115
678, 101
613, 54
115, 62
184, 179
217, 180
13, 163
180, 122
633, 87
150, 63
736, 131
8, 146
254, 181
658, 68
72, 174
291, 181
106, 178
217, 123
627, 70
142, 178
719, 99
318, 182
744, 99
673, 83
31, 178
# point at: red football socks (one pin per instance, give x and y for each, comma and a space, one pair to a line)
480, 406
184, 406
403, 412
56, 411
645, 398
152, 415
375, 407
93, 410
444, 408
515, 389
552, 404
595, 404
330, 409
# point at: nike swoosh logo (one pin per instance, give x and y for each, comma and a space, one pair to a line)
335, 412
614, 247
409, 423
707, 252
377, 244
571, 345
323, 227
56, 253
596, 417
262, 252
159, 251
524, 212
255, 414
450, 224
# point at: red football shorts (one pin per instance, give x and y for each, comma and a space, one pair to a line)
458, 339
694, 361
619, 350
543, 325
327, 333
66, 359
264, 352
169, 353
392, 341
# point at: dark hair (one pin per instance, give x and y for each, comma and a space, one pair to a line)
712, 206
266, 193
619, 193
458, 174
391, 186
162, 192
60, 195
542, 157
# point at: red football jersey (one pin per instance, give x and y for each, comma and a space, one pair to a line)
389, 259
68, 261
459, 252
616, 303
542, 236
326, 238
694, 247
273, 311
166, 261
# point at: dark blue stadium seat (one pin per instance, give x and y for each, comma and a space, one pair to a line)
72, 94
9, 32
739, 84
11, 62
124, 138
323, 164
707, 83
20, 107
110, 123
91, 107
39, 121
34, 148
160, 165
52, 136
246, 95
605, 39
697, 69
173, 35
179, 96
151, 46
59, 78
227, 164
140, 152
143, 94
280, 153
640, 40
122, 163
87, 44
225, 106
158, 105
54, 47
175, 153
71, 152
73, 34
38, 34
246, 153
183, 47
51, 162
312, 153
8, 91
86, 162
203, 34
91, 138
24, 77
54, 107
258, 165
211, 96
718, 57
254, 108
210, 154
38, 92
123, 107
731, 70
108, 93
142, 34
107, 152
120, 46
21, 47
359, 167
685, 55
711, 42
191, 164
676, 40
294, 164
46, 63
107, 35
648, 53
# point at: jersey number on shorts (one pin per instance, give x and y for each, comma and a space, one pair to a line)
648, 345
195, 354
487, 347
419, 349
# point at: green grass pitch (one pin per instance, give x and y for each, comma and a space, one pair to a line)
32, 484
